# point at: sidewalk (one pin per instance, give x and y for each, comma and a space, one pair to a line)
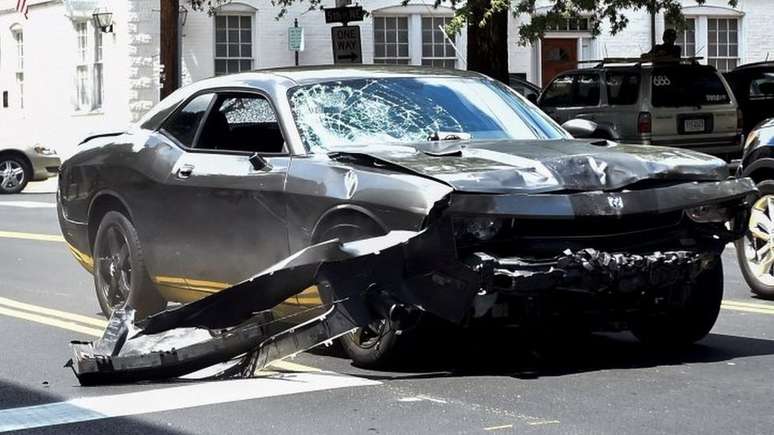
48, 186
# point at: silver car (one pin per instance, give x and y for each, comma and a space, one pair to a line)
20, 165
676, 104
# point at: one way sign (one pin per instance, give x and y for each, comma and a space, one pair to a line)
346, 44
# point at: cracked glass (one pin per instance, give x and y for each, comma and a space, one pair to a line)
409, 110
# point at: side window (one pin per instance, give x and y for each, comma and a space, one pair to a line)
242, 122
586, 90
183, 124
623, 88
762, 88
558, 93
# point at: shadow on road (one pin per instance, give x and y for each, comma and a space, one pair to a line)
13, 397
510, 354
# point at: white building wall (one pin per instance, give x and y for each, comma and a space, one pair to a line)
49, 116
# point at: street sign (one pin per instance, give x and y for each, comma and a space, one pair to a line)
296, 38
346, 44
343, 15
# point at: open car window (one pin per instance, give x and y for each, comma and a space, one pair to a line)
184, 124
242, 122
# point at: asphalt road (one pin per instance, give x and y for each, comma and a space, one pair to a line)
465, 384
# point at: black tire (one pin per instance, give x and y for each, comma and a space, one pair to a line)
682, 326
120, 275
13, 182
757, 285
377, 345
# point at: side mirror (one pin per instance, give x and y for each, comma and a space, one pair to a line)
580, 128
259, 163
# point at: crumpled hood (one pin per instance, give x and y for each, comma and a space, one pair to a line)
507, 166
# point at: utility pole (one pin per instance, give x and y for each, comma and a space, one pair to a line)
170, 49
653, 27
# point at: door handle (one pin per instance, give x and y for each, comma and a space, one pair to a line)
185, 171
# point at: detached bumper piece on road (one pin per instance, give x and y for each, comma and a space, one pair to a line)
447, 272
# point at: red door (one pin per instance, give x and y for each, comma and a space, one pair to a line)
558, 55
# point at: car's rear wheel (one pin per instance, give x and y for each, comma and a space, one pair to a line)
120, 276
755, 251
377, 344
686, 324
14, 174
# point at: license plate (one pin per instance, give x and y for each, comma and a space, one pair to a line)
693, 125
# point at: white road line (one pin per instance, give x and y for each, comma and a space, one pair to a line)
28, 204
168, 399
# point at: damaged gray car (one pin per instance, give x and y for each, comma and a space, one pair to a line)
287, 207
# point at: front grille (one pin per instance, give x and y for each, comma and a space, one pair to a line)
594, 226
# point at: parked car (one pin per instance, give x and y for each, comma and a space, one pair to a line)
755, 251
20, 165
524, 87
753, 86
678, 104
230, 175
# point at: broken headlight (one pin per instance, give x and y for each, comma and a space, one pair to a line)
710, 213
477, 229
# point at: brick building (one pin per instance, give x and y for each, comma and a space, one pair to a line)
61, 77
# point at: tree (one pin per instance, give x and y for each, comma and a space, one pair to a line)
487, 21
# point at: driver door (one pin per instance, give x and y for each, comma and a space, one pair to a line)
230, 220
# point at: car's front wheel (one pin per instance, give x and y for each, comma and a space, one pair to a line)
755, 251
120, 275
376, 345
690, 322
14, 174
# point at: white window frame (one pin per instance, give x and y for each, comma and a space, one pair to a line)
727, 58
397, 58
701, 16
227, 58
433, 42
89, 67
682, 37
415, 13
18, 38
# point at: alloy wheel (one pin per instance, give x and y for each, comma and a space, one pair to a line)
11, 174
759, 242
114, 267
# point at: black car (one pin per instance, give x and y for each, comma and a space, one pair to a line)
524, 87
756, 251
230, 175
753, 86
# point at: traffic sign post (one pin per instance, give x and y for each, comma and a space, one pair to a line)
296, 39
343, 15
346, 44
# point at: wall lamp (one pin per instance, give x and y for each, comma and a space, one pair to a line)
103, 20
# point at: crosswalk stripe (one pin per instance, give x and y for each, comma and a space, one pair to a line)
168, 399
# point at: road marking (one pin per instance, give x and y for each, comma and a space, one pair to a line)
168, 399
28, 204
80, 323
94, 321
748, 304
31, 236
62, 324
505, 426
747, 309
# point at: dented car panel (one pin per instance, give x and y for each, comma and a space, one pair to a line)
497, 223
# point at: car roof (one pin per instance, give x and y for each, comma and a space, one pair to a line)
752, 66
323, 73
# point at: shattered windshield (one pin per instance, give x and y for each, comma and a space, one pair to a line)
405, 110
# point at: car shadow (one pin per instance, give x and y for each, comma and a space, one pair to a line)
522, 357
